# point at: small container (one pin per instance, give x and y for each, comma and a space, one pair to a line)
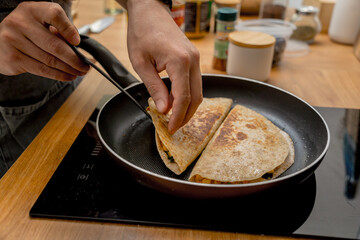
178, 13
225, 22
197, 18
280, 29
273, 9
345, 21
307, 24
235, 4
250, 54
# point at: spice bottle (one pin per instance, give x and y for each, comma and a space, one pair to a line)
307, 24
225, 23
236, 4
178, 13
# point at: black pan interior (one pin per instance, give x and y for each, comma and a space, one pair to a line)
130, 134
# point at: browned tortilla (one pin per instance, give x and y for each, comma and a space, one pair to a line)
244, 148
289, 160
185, 145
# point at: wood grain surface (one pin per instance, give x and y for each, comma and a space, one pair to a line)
328, 76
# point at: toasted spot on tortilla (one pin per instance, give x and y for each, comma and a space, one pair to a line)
251, 126
239, 153
198, 128
241, 136
224, 136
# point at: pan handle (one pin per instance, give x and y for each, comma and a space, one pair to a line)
109, 62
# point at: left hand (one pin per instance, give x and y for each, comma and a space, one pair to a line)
156, 43
33, 39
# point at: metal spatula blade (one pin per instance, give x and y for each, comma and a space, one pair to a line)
97, 26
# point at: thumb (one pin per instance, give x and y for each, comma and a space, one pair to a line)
57, 17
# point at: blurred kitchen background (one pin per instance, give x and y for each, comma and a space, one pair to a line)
294, 24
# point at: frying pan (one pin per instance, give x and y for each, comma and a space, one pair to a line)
128, 135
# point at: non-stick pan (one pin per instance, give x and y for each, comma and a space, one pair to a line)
127, 133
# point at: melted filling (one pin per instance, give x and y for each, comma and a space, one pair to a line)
266, 176
166, 151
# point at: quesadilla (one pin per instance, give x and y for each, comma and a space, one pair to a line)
179, 150
247, 147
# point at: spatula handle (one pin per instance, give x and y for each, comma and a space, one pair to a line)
108, 61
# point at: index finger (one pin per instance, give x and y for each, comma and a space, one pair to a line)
56, 16
180, 90
196, 92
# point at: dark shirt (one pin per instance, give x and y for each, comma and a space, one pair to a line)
27, 102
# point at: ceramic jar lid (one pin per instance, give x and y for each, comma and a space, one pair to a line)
251, 39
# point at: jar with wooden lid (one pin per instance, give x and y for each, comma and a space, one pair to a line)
250, 54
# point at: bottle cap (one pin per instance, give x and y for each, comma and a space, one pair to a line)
227, 14
307, 10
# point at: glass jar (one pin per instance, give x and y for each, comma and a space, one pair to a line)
197, 18
307, 24
280, 29
273, 9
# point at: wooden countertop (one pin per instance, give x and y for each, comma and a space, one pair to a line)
328, 76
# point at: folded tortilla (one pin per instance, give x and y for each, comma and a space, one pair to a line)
247, 147
179, 150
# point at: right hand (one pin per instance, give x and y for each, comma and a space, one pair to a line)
155, 44
32, 39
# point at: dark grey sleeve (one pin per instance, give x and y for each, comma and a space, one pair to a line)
6, 7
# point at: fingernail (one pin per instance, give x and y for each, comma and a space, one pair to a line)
160, 105
75, 39
70, 78
171, 131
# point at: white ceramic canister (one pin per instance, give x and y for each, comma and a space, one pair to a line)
345, 21
250, 54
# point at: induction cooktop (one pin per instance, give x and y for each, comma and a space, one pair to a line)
88, 186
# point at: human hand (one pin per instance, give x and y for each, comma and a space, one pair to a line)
156, 43
32, 39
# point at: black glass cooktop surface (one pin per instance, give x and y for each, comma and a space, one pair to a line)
87, 186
